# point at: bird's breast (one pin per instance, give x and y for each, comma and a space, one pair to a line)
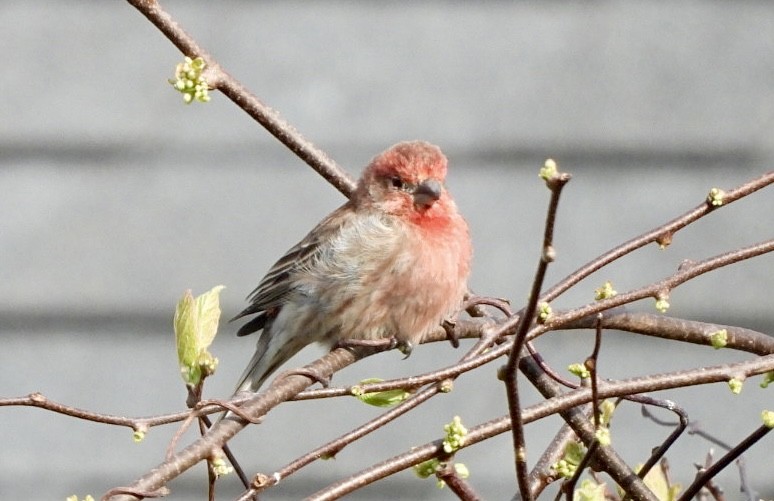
385, 280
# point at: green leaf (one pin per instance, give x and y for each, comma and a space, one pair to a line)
658, 482
185, 337
196, 324
589, 491
385, 398
209, 315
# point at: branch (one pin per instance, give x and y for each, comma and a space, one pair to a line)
686, 273
662, 234
137, 424
270, 119
543, 409
555, 181
706, 476
442, 378
280, 390
605, 458
678, 329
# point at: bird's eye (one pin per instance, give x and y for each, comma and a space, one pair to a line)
397, 182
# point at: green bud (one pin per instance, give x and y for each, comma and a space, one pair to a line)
455, 435
461, 470
220, 467
603, 436
768, 418
606, 409
544, 312
189, 80
579, 370
716, 197
719, 339
659, 483
662, 304
427, 468
605, 292
549, 170
568, 464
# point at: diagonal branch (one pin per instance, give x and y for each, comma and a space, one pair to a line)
270, 119
662, 234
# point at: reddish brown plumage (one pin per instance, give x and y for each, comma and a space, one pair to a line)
391, 262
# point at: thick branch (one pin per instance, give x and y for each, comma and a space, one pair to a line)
678, 329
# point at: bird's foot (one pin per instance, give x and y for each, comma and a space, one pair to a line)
449, 325
405, 347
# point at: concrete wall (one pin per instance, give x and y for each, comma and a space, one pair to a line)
115, 197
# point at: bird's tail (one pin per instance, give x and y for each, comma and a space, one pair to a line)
269, 355
271, 351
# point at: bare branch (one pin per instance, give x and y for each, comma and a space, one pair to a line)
705, 476
555, 182
662, 234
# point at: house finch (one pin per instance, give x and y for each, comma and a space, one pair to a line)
392, 262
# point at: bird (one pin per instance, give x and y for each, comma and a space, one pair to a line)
391, 263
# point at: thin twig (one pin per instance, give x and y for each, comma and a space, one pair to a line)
591, 365
686, 273
605, 458
334, 446
458, 485
663, 233
547, 254
724, 461
138, 424
682, 424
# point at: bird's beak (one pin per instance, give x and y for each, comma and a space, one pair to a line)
427, 192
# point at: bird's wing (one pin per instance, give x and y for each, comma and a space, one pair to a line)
277, 283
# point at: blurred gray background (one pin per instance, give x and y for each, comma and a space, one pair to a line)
116, 197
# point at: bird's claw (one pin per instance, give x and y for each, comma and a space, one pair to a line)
405, 347
451, 333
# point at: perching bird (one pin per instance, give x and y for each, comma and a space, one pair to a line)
392, 262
